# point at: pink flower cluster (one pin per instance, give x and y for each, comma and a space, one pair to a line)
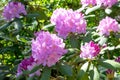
47, 48
89, 50
27, 64
13, 10
88, 2
107, 25
68, 21
105, 3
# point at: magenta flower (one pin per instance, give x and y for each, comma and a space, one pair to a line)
107, 25
89, 50
117, 59
68, 21
47, 48
88, 2
13, 10
106, 3
109, 71
27, 64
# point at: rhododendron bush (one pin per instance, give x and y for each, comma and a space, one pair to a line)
60, 40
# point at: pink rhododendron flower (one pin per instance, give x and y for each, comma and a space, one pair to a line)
88, 2
47, 48
107, 25
67, 21
27, 64
89, 50
13, 10
117, 59
106, 3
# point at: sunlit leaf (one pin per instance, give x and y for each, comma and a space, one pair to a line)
83, 71
110, 64
94, 74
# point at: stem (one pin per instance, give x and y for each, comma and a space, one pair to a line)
88, 65
110, 78
108, 55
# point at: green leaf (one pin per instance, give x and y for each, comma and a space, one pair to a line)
89, 16
3, 67
35, 69
18, 26
21, 38
94, 74
6, 37
47, 26
3, 75
38, 14
18, 23
85, 77
31, 15
5, 25
26, 72
65, 69
88, 35
30, 78
83, 72
43, 16
89, 10
110, 64
46, 74
117, 36
108, 11
103, 40
74, 41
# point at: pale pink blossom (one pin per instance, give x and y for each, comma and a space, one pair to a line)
47, 49
68, 21
108, 25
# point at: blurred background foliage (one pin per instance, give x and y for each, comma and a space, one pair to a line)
16, 36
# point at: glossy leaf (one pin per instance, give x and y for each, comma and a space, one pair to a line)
35, 69
74, 41
89, 10
82, 71
5, 25
65, 69
94, 74
102, 40
46, 74
110, 64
